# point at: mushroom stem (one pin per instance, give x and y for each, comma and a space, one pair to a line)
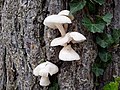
65, 27
44, 81
61, 29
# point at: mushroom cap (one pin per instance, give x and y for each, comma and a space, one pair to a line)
45, 68
68, 54
52, 68
61, 40
38, 68
44, 81
77, 37
66, 13
51, 20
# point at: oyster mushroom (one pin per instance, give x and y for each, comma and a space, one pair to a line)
68, 54
75, 37
57, 21
66, 13
44, 69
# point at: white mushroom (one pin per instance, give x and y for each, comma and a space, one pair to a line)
56, 21
61, 40
68, 54
43, 70
44, 81
38, 68
75, 37
66, 13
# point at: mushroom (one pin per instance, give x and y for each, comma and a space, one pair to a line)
75, 37
44, 69
68, 14
56, 21
68, 54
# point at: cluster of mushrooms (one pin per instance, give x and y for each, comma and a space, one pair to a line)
60, 22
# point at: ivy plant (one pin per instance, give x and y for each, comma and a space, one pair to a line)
113, 85
97, 24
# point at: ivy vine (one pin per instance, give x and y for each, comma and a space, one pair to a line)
105, 41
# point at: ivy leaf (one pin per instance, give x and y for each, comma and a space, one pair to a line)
54, 87
107, 18
111, 86
116, 36
100, 1
101, 42
105, 56
93, 27
97, 71
105, 41
76, 6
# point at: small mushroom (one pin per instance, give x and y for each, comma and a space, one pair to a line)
44, 69
66, 13
68, 54
75, 37
56, 21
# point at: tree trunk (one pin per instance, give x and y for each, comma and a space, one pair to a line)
25, 43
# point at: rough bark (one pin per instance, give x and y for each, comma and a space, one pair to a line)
25, 42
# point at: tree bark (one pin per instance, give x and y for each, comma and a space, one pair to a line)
25, 43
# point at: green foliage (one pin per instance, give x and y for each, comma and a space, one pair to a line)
107, 18
97, 71
76, 5
104, 55
105, 41
55, 86
112, 85
54, 83
100, 1
96, 24
116, 36
93, 27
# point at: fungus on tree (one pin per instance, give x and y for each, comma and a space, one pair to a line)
44, 69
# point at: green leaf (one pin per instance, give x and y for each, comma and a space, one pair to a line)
101, 42
100, 1
93, 27
54, 87
117, 79
97, 71
116, 36
107, 18
76, 6
111, 86
105, 56
105, 41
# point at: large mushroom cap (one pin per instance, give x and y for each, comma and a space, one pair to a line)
44, 81
68, 54
51, 20
77, 37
